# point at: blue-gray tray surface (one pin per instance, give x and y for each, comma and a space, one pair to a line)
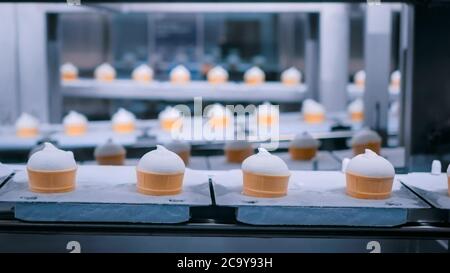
315, 198
431, 187
106, 194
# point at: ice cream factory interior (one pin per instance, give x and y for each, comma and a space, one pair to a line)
225, 127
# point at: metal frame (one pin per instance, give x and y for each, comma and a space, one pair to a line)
220, 238
9, 104
39, 89
334, 47
312, 55
377, 57
312, 49
407, 49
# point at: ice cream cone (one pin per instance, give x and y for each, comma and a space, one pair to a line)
124, 127
238, 155
217, 75
143, 73
259, 185
171, 124
357, 116
75, 130
118, 159
158, 183
68, 72
302, 153
291, 76
360, 148
51, 181
368, 187
314, 118
27, 132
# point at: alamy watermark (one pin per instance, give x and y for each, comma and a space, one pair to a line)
241, 124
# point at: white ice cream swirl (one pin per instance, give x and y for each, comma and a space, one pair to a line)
26, 121
162, 161
370, 164
265, 163
51, 158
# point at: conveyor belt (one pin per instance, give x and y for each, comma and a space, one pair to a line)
210, 237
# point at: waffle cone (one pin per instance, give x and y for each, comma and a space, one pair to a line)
254, 80
75, 130
448, 178
159, 184
171, 124
302, 153
106, 78
124, 128
69, 76
290, 82
27, 132
368, 187
216, 80
180, 79
142, 78
115, 160
357, 116
314, 118
259, 185
361, 148
51, 181
237, 156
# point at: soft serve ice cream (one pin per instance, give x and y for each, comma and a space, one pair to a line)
291, 76
27, 126
51, 170
217, 75
123, 121
265, 175
75, 124
254, 76
369, 176
160, 172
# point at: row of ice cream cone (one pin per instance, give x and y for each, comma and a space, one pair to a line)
180, 74
219, 116
75, 124
161, 172
216, 75
51, 170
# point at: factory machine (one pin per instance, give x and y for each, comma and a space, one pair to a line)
225, 127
